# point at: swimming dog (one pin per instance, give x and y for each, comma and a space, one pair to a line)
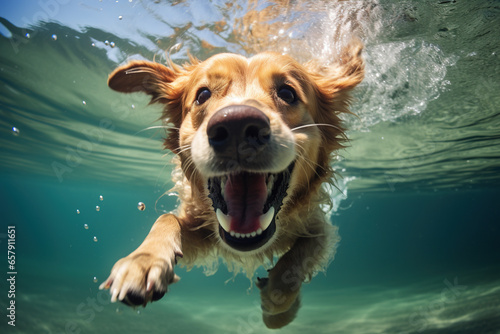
254, 140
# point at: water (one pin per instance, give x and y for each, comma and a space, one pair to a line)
419, 211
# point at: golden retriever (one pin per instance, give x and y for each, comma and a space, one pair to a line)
254, 139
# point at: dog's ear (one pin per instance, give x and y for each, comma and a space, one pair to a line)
350, 69
344, 73
333, 84
144, 76
164, 84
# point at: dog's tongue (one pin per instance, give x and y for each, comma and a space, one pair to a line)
245, 196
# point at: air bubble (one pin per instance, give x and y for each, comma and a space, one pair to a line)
120, 17
133, 106
106, 42
141, 206
112, 44
101, 198
27, 35
84, 103
95, 239
93, 44
95, 279
77, 211
97, 208
15, 131
54, 37
85, 226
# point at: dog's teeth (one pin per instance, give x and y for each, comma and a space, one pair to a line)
223, 185
270, 180
270, 183
224, 220
245, 235
266, 219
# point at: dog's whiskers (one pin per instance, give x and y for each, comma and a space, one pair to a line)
195, 172
168, 127
315, 124
203, 225
310, 162
183, 149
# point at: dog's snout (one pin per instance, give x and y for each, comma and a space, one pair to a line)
237, 125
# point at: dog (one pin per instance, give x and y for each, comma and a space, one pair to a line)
254, 140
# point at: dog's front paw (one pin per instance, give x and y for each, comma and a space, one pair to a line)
140, 278
280, 304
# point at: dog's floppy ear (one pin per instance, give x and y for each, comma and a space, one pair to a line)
144, 76
344, 73
333, 85
164, 84
350, 68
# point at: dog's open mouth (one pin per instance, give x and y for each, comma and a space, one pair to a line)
246, 205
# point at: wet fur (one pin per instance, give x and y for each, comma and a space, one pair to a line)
304, 241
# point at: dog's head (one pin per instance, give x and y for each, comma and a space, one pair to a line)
252, 133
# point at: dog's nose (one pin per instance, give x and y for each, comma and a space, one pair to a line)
240, 130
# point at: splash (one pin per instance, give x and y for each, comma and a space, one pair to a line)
402, 76
401, 79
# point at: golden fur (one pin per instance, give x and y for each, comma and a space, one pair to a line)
306, 133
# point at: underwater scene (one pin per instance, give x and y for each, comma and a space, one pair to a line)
84, 174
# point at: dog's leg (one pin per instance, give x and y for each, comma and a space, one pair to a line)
280, 292
145, 274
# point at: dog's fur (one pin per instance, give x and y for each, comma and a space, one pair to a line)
296, 108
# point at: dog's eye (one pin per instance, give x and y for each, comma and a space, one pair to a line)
287, 94
202, 95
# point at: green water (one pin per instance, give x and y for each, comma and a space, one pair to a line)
419, 211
